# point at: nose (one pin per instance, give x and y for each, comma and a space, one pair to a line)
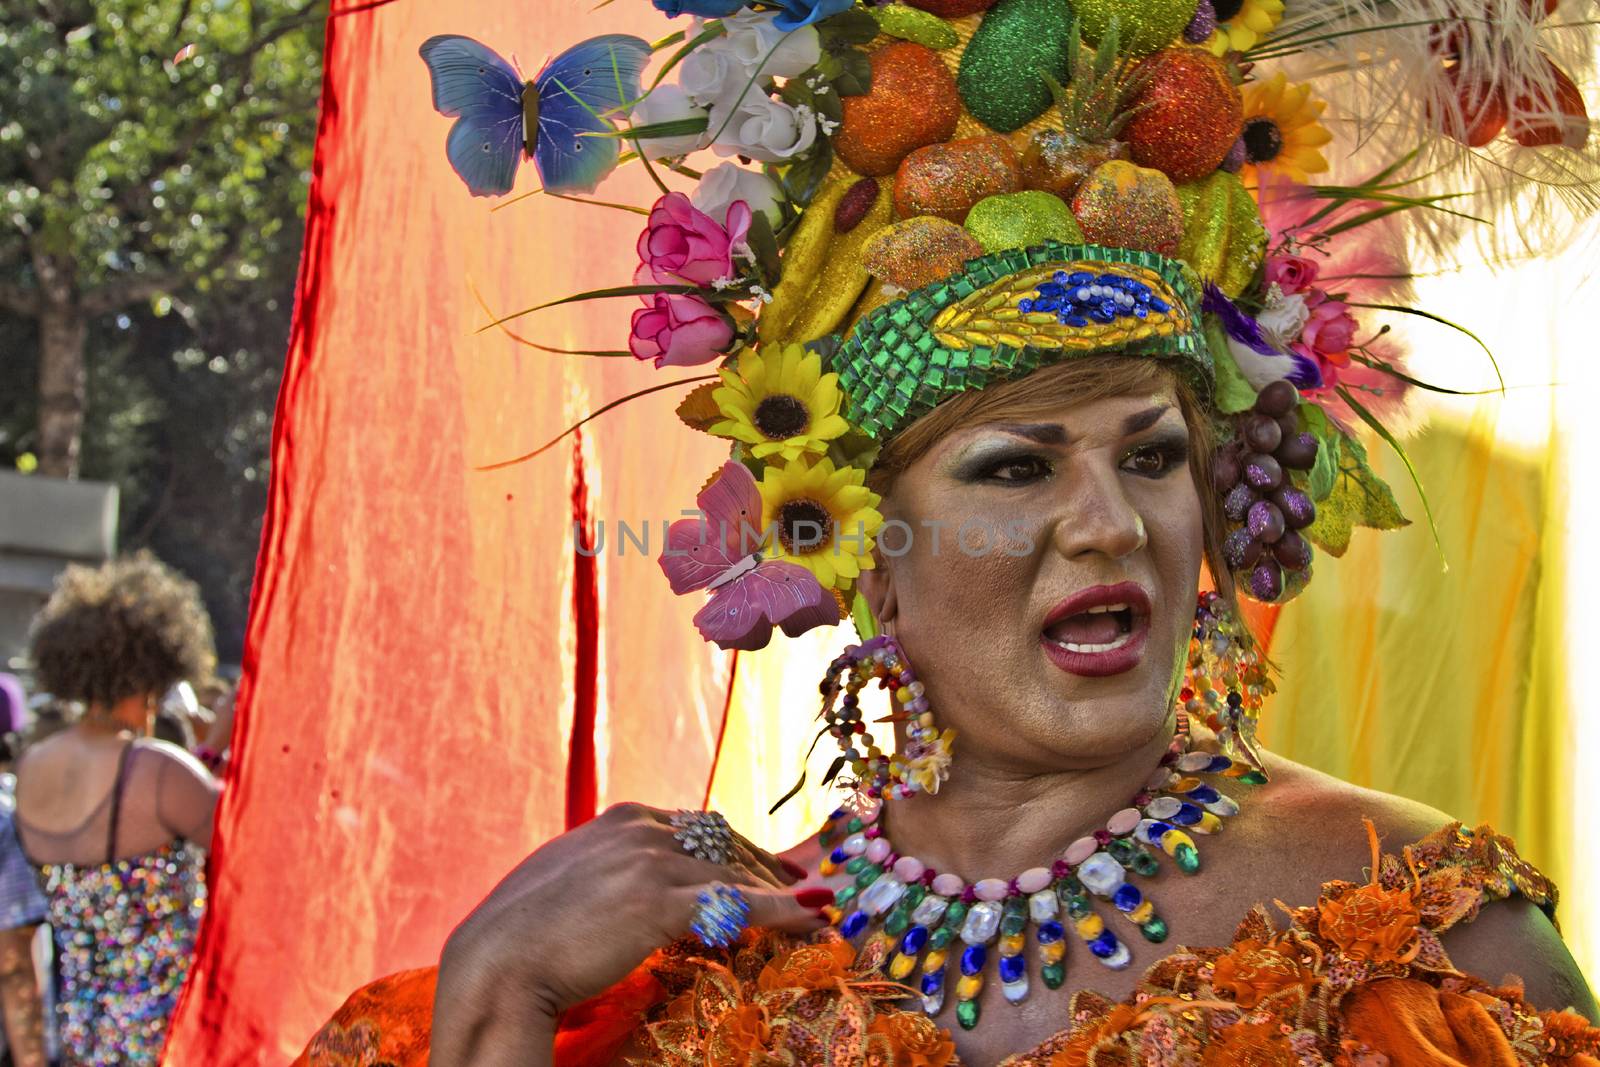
1096, 517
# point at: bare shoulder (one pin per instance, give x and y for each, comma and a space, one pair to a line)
175, 760
1510, 939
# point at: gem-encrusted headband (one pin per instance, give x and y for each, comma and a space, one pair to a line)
1007, 314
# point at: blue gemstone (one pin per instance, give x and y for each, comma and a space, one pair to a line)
1203, 794
1024, 306
1050, 932
1060, 275
1160, 305
1140, 312
1081, 277
932, 982
1127, 897
1219, 764
838, 813
854, 924
1188, 814
1012, 968
915, 938
973, 958
1157, 828
1100, 315
1104, 946
838, 856
1074, 320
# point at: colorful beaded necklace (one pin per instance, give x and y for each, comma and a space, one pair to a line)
917, 912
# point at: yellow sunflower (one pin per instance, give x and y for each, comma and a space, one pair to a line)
1281, 131
778, 401
822, 517
1242, 23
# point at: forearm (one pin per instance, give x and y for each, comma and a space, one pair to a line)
20, 1003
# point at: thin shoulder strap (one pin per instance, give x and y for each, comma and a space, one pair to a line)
116, 800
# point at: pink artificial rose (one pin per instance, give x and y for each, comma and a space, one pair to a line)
679, 330
1292, 274
1331, 329
682, 245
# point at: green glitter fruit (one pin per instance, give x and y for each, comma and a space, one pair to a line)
1022, 220
1142, 25
911, 24
1001, 79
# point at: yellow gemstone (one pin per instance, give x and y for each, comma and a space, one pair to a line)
1142, 913
826, 867
1090, 926
969, 987
833, 913
1174, 838
1012, 944
902, 966
1208, 824
903, 695
1052, 951
934, 961
1183, 785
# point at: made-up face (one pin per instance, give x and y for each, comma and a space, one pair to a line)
1041, 575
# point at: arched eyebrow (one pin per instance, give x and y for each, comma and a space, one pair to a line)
1050, 433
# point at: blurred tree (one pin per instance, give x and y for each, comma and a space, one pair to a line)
152, 198
145, 152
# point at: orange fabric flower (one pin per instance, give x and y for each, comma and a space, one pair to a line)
1257, 969
1250, 1045
914, 1039
738, 1034
1372, 923
821, 966
1570, 1035
1417, 1025
1076, 1052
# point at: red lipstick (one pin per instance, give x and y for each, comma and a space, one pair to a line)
1099, 631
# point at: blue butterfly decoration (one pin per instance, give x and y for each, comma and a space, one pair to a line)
501, 116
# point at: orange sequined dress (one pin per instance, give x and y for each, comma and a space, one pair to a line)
1357, 979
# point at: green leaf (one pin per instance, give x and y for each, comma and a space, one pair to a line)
852, 26
1393, 442
1358, 498
861, 615
670, 128
1320, 479
764, 243
804, 177
855, 73
1233, 393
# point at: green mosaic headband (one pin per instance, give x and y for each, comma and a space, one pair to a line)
1005, 315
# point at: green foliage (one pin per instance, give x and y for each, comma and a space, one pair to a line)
163, 203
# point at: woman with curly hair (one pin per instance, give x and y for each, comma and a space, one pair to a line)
116, 821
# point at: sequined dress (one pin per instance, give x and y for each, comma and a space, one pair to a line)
124, 935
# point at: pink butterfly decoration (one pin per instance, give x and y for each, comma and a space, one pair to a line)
720, 551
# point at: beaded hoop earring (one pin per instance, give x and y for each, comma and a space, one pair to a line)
925, 764
1226, 681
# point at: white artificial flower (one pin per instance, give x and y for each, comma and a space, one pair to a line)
727, 182
667, 103
712, 75
763, 128
756, 42
1283, 318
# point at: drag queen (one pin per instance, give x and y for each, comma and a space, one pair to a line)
1052, 332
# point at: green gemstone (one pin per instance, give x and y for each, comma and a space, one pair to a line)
1188, 859
1253, 778
825, 839
897, 922
844, 895
1014, 916
967, 1014
941, 937
1053, 974
868, 876
1078, 907
854, 865
853, 827
1121, 851
1145, 864
914, 894
956, 912
1155, 931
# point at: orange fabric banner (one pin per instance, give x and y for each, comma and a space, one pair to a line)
436, 680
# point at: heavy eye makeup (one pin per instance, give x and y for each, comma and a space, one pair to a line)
1007, 462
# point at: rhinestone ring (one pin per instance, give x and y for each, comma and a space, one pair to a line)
721, 914
704, 835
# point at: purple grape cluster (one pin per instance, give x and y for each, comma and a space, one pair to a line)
1252, 473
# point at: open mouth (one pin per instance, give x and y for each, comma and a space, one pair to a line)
1098, 631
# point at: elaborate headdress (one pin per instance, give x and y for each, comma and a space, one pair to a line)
936, 195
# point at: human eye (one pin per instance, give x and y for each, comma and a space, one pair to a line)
1016, 469
1158, 458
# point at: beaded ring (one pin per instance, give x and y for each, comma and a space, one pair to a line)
721, 913
705, 835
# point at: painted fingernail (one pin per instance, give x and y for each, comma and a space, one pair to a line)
823, 916
794, 869
815, 897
